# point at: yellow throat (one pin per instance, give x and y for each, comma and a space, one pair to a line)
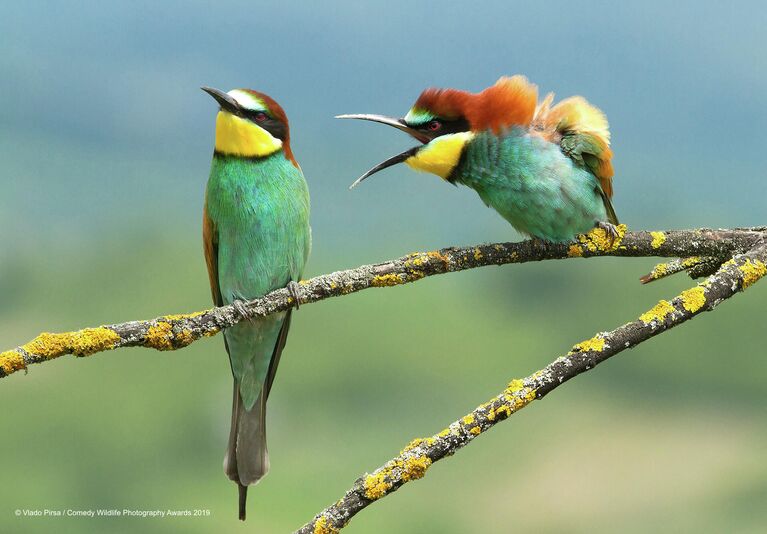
441, 155
240, 137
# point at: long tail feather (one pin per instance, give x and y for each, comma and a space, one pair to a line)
252, 455
247, 458
243, 500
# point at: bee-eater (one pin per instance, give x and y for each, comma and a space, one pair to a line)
545, 169
256, 238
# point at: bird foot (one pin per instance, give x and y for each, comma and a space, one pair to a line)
295, 292
239, 307
610, 229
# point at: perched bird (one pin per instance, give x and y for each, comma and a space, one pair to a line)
545, 169
256, 237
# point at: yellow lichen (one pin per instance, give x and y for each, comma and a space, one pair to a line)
477, 254
501, 410
386, 280
599, 240
595, 344
178, 317
436, 254
415, 467
379, 483
690, 262
693, 299
468, 419
658, 238
81, 343
417, 260
92, 340
518, 399
574, 251
185, 338
444, 433
49, 345
752, 271
376, 485
658, 312
11, 361
321, 526
415, 275
412, 445
475, 430
159, 336
659, 271
518, 395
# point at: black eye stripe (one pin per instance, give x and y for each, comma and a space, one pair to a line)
253, 113
270, 124
448, 126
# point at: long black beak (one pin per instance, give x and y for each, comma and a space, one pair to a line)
400, 124
399, 158
226, 102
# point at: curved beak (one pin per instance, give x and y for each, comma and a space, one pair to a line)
400, 124
226, 102
399, 158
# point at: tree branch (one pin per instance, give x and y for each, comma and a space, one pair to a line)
412, 462
738, 256
171, 332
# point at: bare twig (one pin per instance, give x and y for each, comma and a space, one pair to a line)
412, 462
171, 332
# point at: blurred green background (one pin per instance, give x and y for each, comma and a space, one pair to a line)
105, 143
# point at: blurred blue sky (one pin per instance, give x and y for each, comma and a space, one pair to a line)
105, 145
103, 129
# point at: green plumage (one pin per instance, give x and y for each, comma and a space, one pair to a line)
259, 208
534, 185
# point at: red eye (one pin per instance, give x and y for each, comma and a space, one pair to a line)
434, 125
260, 116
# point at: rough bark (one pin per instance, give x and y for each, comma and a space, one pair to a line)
737, 258
172, 332
413, 461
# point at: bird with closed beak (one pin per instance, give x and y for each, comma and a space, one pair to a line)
256, 239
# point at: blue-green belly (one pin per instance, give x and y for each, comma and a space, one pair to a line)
532, 184
260, 208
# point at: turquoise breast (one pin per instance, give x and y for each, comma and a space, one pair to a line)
531, 184
260, 209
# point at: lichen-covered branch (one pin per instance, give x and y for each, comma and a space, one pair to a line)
175, 331
695, 266
412, 462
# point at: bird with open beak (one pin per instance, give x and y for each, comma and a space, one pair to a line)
545, 169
